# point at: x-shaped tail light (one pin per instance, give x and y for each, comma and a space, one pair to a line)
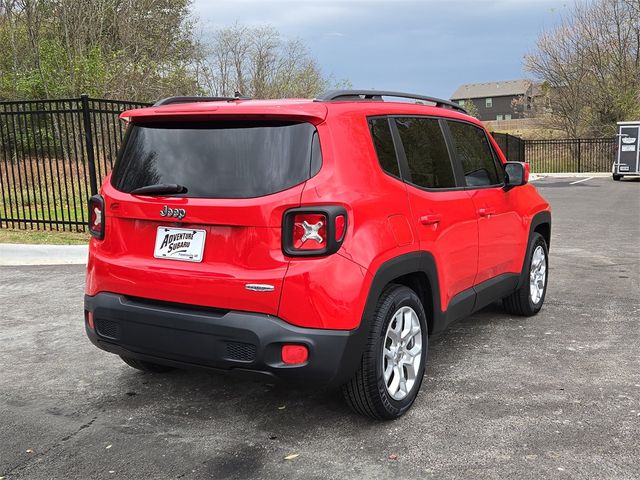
313, 231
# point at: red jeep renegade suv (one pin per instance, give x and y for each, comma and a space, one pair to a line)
321, 242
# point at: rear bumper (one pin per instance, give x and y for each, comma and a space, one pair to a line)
185, 336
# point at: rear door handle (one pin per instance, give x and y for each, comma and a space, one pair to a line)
486, 212
431, 219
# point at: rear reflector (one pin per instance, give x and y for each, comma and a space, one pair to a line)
88, 317
341, 224
294, 354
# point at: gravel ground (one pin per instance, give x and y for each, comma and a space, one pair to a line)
554, 396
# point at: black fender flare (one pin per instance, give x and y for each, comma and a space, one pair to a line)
540, 218
413, 262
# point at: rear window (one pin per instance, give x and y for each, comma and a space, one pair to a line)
218, 160
383, 143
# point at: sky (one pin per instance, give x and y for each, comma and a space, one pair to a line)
419, 46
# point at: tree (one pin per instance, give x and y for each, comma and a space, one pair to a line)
132, 49
258, 62
142, 50
589, 66
471, 108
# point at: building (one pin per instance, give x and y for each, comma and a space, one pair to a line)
498, 100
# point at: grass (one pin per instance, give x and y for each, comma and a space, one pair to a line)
9, 235
47, 191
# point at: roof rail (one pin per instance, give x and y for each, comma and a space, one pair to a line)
336, 95
172, 100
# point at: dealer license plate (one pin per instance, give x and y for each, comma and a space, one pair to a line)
184, 244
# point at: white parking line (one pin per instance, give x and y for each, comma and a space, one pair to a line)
582, 180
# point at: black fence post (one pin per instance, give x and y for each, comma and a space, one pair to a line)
506, 147
579, 159
88, 141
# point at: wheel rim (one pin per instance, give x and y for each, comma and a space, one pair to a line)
538, 274
402, 353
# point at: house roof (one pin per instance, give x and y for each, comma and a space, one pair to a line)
491, 89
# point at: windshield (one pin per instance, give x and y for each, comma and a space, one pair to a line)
218, 160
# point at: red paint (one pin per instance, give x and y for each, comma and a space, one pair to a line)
450, 234
473, 234
401, 230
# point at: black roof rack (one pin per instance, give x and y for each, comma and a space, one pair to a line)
172, 100
336, 95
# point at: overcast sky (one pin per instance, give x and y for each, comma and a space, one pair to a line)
427, 46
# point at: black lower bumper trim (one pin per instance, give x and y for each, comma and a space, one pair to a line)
241, 342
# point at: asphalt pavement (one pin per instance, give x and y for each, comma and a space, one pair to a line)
553, 396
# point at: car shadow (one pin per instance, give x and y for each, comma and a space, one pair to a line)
210, 396
248, 418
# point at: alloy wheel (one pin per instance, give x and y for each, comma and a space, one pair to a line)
402, 353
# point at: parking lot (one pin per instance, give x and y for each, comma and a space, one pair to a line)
553, 396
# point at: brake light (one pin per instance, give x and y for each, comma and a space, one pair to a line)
96, 216
313, 231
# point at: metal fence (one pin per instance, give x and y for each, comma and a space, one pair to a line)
572, 155
53, 154
512, 146
560, 156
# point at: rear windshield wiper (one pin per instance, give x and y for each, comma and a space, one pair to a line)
159, 189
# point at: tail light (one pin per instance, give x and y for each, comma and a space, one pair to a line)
96, 216
313, 231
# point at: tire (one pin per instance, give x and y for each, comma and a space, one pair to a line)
524, 301
368, 392
616, 177
145, 366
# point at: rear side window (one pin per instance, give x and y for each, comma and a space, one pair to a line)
219, 160
383, 143
474, 153
426, 152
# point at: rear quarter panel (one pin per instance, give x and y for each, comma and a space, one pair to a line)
378, 227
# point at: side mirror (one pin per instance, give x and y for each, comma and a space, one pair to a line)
516, 174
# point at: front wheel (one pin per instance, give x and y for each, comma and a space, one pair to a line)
528, 299
390, 374
616, 177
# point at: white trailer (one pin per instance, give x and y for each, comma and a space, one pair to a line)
628, 157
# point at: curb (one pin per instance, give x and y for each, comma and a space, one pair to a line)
14, 254
572, 175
